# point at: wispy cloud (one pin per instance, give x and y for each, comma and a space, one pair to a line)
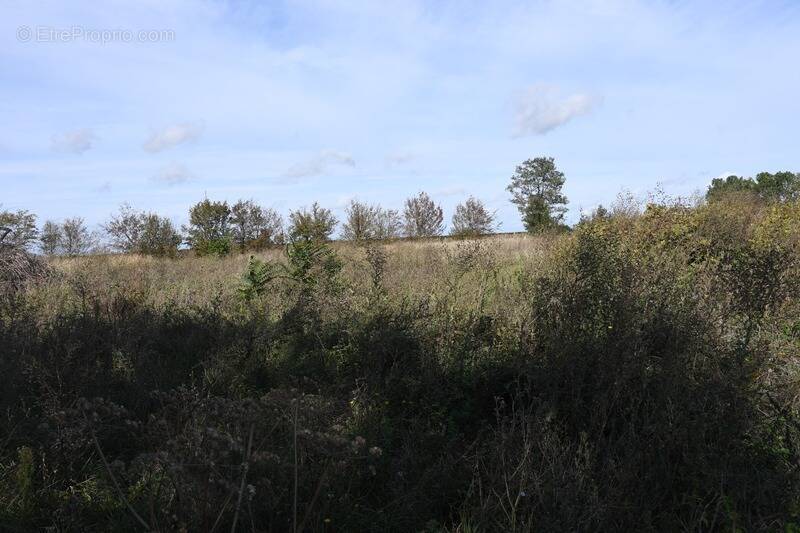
378, 81
400, 158
76, 142
344, 200
172, 136
320, 163
450, 191
173, 174
542, 108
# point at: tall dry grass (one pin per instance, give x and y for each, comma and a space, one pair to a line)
637, 373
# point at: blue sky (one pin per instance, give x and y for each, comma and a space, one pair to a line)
292, 102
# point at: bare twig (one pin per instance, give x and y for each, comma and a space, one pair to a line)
245, 468
221, 512
314, 498
111, 475
294, 502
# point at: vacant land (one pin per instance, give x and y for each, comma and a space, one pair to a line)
639, 372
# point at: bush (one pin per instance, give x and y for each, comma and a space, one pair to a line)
637, 373
216, 247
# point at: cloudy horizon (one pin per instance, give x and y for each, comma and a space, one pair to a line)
158, 104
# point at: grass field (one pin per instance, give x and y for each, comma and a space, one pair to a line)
639, 372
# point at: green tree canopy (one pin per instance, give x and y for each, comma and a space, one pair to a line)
720, 187
778, 187
209, 230
536, 191
314, 224
20, 228
254, 226
142, 233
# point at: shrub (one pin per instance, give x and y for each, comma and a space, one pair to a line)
637, 373
216, 247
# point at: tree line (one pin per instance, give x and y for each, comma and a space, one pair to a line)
219, 228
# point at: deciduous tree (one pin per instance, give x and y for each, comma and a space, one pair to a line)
314, 224
536, 191
22, 227
388, 224
255, 227
76, 238
51, 238
423, 218
362, 221
125, 229
158, 236
471, 219
209, 231
732, 184
143, 233
778, 187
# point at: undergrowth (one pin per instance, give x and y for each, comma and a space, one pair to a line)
637, 373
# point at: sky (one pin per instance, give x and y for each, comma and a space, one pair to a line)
160, 103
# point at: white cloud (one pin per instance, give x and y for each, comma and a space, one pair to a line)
377, 80
172, 136
320, 163
76, 142
542, 108
173, 174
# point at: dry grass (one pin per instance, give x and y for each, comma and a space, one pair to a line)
413, 268
636, 374
18, 267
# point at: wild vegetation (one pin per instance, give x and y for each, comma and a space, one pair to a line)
637, 372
